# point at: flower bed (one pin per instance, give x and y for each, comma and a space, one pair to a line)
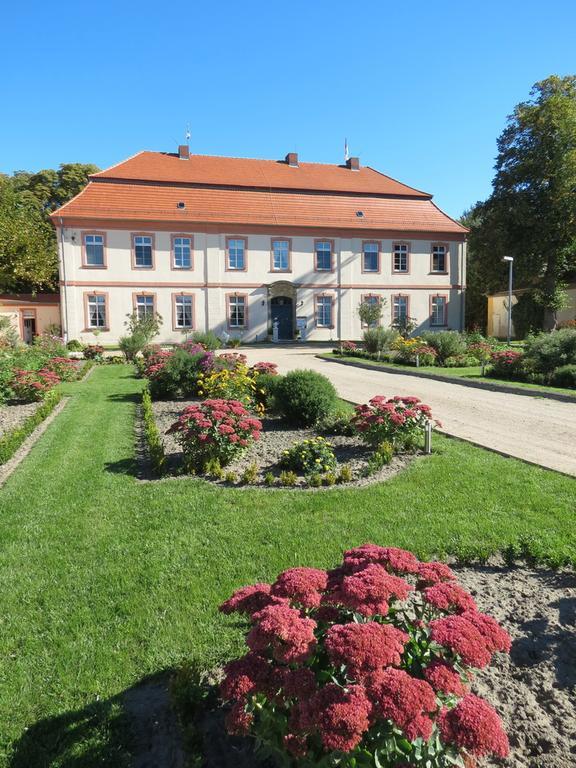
267, 453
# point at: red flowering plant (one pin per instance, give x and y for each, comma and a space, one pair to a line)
31, 386
506, 364
269, 369
397, 420
215, 430
64, 367
368, 664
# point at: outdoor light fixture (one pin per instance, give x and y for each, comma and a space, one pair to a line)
510, 260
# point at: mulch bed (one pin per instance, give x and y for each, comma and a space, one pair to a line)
267, 452
13, 416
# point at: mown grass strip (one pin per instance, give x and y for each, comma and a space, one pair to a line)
13, 439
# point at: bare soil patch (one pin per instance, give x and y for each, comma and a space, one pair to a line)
276, 438
13, 416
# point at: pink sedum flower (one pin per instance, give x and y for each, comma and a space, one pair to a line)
301, 585
475, 726
365, 648
284, 631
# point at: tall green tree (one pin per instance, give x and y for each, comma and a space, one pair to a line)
531, 214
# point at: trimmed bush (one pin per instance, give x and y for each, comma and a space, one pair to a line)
446, 343
564, 376
152, 434
304, 397
379, 339
549, 351
208, 340
74, 346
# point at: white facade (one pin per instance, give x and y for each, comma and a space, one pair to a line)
212, 284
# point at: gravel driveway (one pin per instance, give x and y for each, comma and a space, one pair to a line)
530, 428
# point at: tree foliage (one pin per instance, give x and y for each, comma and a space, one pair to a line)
531, 214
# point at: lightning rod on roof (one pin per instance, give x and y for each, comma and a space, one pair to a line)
346, 153
187, 133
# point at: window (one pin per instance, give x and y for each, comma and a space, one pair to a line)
182, 250
96, 311
438, 258
281, 255
324, 311
373, 301
371, 257
143, 251
400, 257
144, 306
184, 311
323, 250
236, 253
400, 308
94, 250
237, 311
438, 310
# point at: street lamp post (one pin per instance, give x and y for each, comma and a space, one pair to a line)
510, 260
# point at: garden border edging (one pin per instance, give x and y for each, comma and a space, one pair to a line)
456, 380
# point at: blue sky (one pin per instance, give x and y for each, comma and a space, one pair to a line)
421, 90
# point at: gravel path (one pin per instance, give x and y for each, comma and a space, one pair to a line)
12, 416
534, 429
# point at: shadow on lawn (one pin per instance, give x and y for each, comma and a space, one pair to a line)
125, 397
135, 729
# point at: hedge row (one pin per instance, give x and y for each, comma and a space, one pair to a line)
12, 440
152, 435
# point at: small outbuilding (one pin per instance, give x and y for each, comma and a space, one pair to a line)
31, 314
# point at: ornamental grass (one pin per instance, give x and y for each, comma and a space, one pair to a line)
368, 664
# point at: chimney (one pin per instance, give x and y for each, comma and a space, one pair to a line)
353, 163
184, 152
292, 159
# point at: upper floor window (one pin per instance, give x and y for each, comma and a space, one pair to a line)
371, 257
324, 311
237, 311
439, 258
236, 253
144, 306
400, 309
182, 252
323, 255
184, 311
93, 250
96, 311
438, 310
143, 251
281, 255
400, 257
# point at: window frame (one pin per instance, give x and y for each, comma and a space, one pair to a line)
281, 240
144, 294
317, 298
400, 296
175, 297
445, 318
324, 240
87, 327
376, 271
151, 235
228, 268
408, 246
85, 264
363, 298
173, 239
446, 258
229, 325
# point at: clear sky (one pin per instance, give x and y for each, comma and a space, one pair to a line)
420, 89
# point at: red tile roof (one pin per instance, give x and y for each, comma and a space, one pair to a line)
231, 191
243, 172
225, 206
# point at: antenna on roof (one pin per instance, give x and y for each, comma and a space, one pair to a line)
188, 132
346, 153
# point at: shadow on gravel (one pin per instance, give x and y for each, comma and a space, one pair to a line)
135, 729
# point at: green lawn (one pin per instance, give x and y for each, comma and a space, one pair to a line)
472, 373
106, 580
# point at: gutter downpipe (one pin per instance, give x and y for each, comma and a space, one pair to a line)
63, 297
463, 285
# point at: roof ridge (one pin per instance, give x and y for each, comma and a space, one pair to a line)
386, 176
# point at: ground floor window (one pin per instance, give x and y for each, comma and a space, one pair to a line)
144, 306
400, 308
324, 311
372, 301
237, 311
184, 311
438, 310
96, 311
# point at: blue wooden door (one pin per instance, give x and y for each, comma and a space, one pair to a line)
281, 307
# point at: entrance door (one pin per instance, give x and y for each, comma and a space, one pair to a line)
281, 310
29, 326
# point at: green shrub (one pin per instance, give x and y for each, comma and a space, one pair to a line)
93, 352
304, 397
250, 474
315, 480
231, 477
381, 457
564, 376
208, 339
12, 440
338, 421
329, 479
461, 361
74, 346
548, 351
177, 374
213, 468
346, 475
266, 384
309, 456
446, 343
288, 478
131, 345
152, 435
269, 479
234, 342
379, 339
